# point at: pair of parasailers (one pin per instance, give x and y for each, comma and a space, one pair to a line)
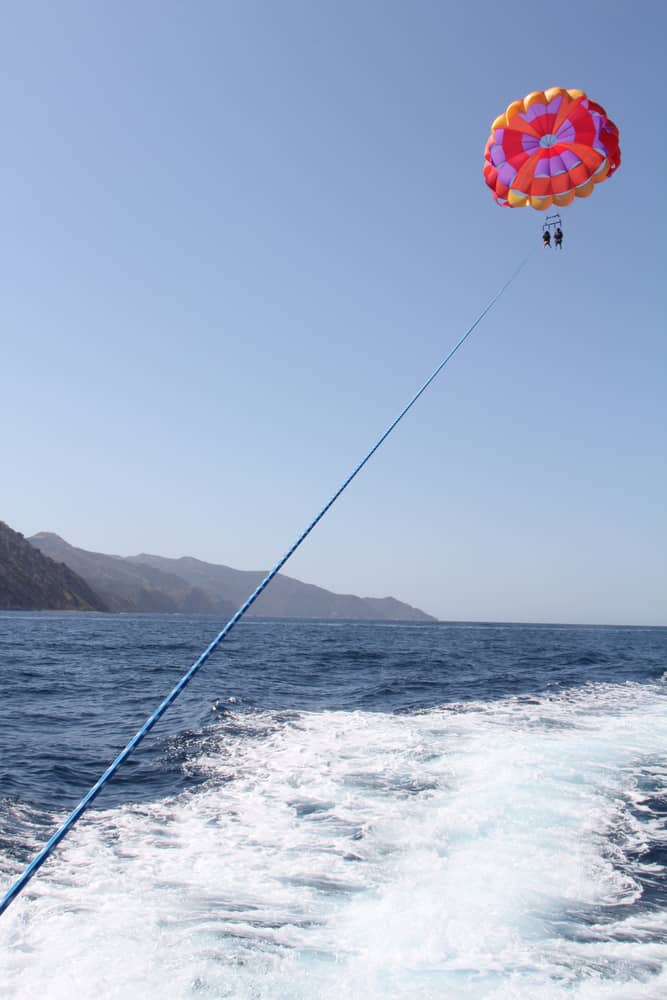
558, 238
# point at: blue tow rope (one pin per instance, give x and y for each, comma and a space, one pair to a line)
40, 858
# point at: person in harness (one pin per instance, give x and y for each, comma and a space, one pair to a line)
546, 238
558, 238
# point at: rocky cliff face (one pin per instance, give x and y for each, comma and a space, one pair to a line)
31, 581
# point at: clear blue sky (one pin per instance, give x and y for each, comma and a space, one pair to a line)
238, 236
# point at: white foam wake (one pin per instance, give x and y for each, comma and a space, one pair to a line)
481, 851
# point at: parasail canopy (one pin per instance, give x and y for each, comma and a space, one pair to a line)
550, 148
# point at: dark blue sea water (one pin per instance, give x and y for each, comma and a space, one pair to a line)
368, 810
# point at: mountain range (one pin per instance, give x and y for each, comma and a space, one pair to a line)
191, 586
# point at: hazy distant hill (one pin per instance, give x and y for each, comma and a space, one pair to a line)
127, 586
154, 583
285, 597
30, 581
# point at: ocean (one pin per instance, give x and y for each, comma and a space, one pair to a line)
335, 809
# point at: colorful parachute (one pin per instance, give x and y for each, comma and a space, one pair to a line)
549, 148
